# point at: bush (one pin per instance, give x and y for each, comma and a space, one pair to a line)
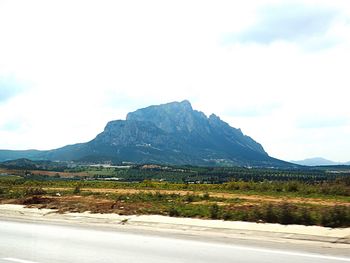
189, 198
76, 190
173, 212
34, 191
228, 216
270, 215
214, 211
206, 196
338, 216
287, 216
306, 218
292, 187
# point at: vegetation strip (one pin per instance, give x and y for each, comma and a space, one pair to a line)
76, 197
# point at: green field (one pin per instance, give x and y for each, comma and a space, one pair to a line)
293, 200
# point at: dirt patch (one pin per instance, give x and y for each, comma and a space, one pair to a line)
60, 174
80, 204
35, 200
250, 198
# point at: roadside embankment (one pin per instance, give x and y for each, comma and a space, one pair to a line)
183, 226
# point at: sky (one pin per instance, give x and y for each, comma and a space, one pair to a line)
279, 70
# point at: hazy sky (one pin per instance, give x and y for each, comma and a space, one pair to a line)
279, 70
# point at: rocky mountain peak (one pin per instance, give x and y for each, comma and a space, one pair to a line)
214, 118
170, 117
185, 104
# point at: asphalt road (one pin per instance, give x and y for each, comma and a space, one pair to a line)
44, 243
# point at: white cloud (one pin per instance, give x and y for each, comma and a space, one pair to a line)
294, 22
88, 62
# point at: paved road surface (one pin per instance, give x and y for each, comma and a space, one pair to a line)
43, 243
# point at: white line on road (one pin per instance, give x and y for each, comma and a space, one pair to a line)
18, 260
299, 254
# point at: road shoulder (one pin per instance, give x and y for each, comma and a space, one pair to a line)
309, 237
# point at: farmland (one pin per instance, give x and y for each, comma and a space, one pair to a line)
309, 197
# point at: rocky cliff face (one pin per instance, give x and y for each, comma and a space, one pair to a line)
180, 120
174, 133
171, 117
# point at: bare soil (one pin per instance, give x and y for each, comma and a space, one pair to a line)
251, 198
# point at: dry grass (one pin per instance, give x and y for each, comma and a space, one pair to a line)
251, 198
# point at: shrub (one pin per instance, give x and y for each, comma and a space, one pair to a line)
214, 211
228, 216
338, 216
305, 217
292, 187
271, 215
287, 216
34, 191
189, 198
206, 196
76, 190
173, 212
159, 196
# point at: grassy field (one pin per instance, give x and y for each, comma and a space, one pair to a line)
286, 202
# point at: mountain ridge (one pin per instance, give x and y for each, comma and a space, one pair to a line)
171, 133
318, 161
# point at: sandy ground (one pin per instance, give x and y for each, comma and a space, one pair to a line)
214, 228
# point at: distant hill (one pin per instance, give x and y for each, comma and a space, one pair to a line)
24, 163
318, 161
171, 133
12, 154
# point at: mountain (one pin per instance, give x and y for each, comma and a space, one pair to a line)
13, 154
317, 161
172, 133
